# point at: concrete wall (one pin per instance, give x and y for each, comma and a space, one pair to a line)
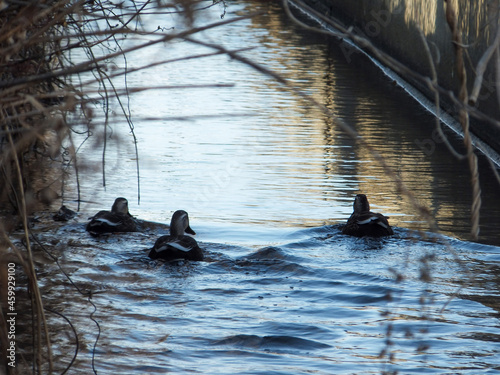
392, 25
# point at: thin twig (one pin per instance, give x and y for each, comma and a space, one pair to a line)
481, 66
31, 268
437, 106
451, 18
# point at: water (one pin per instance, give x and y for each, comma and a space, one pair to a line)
267, 179
256, 153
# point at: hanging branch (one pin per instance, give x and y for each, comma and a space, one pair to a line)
451, 18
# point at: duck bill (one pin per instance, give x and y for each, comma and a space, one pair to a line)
190, 231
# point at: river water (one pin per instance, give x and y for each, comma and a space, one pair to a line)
267, 180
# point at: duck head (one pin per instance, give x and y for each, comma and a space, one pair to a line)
361, 204
120, 206
180, 224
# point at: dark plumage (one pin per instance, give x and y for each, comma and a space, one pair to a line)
116, 220
64, 214
363, 222
177, 245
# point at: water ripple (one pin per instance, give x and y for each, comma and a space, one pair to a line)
275, 344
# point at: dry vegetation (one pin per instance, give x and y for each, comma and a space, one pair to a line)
54, 59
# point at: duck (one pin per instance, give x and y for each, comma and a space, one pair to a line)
64, 214
116, 220
363, 222
177, 245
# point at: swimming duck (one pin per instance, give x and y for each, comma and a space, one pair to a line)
363, 222
116, 220
64, 214
177, 245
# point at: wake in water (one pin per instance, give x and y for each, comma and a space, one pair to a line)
315, 299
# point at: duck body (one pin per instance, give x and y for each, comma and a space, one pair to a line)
363, 222
116, 220
177, 245
172, 248
64, 214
